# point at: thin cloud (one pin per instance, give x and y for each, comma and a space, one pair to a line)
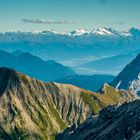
43, 21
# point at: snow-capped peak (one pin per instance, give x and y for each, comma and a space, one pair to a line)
102, 31
78, 32
36, 32
47, 32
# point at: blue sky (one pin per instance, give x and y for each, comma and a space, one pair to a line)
27, 15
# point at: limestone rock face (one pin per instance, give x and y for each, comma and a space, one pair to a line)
34, 110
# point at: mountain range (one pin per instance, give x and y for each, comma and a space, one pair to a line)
73, 48
50, 70
32, 109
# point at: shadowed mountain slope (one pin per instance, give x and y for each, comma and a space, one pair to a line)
128, 74
113, 123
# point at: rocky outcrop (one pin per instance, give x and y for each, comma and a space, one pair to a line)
113, 123
31, 109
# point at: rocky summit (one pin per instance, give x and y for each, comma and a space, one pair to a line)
33, 110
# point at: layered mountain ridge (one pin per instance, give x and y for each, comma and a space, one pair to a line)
113, 64
100, 42
34, 66
32, 109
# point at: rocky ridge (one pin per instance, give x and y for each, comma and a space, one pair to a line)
32, 109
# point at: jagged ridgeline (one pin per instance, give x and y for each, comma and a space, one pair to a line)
33, 110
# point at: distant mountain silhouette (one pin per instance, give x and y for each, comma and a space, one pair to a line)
34, 66
111, 65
